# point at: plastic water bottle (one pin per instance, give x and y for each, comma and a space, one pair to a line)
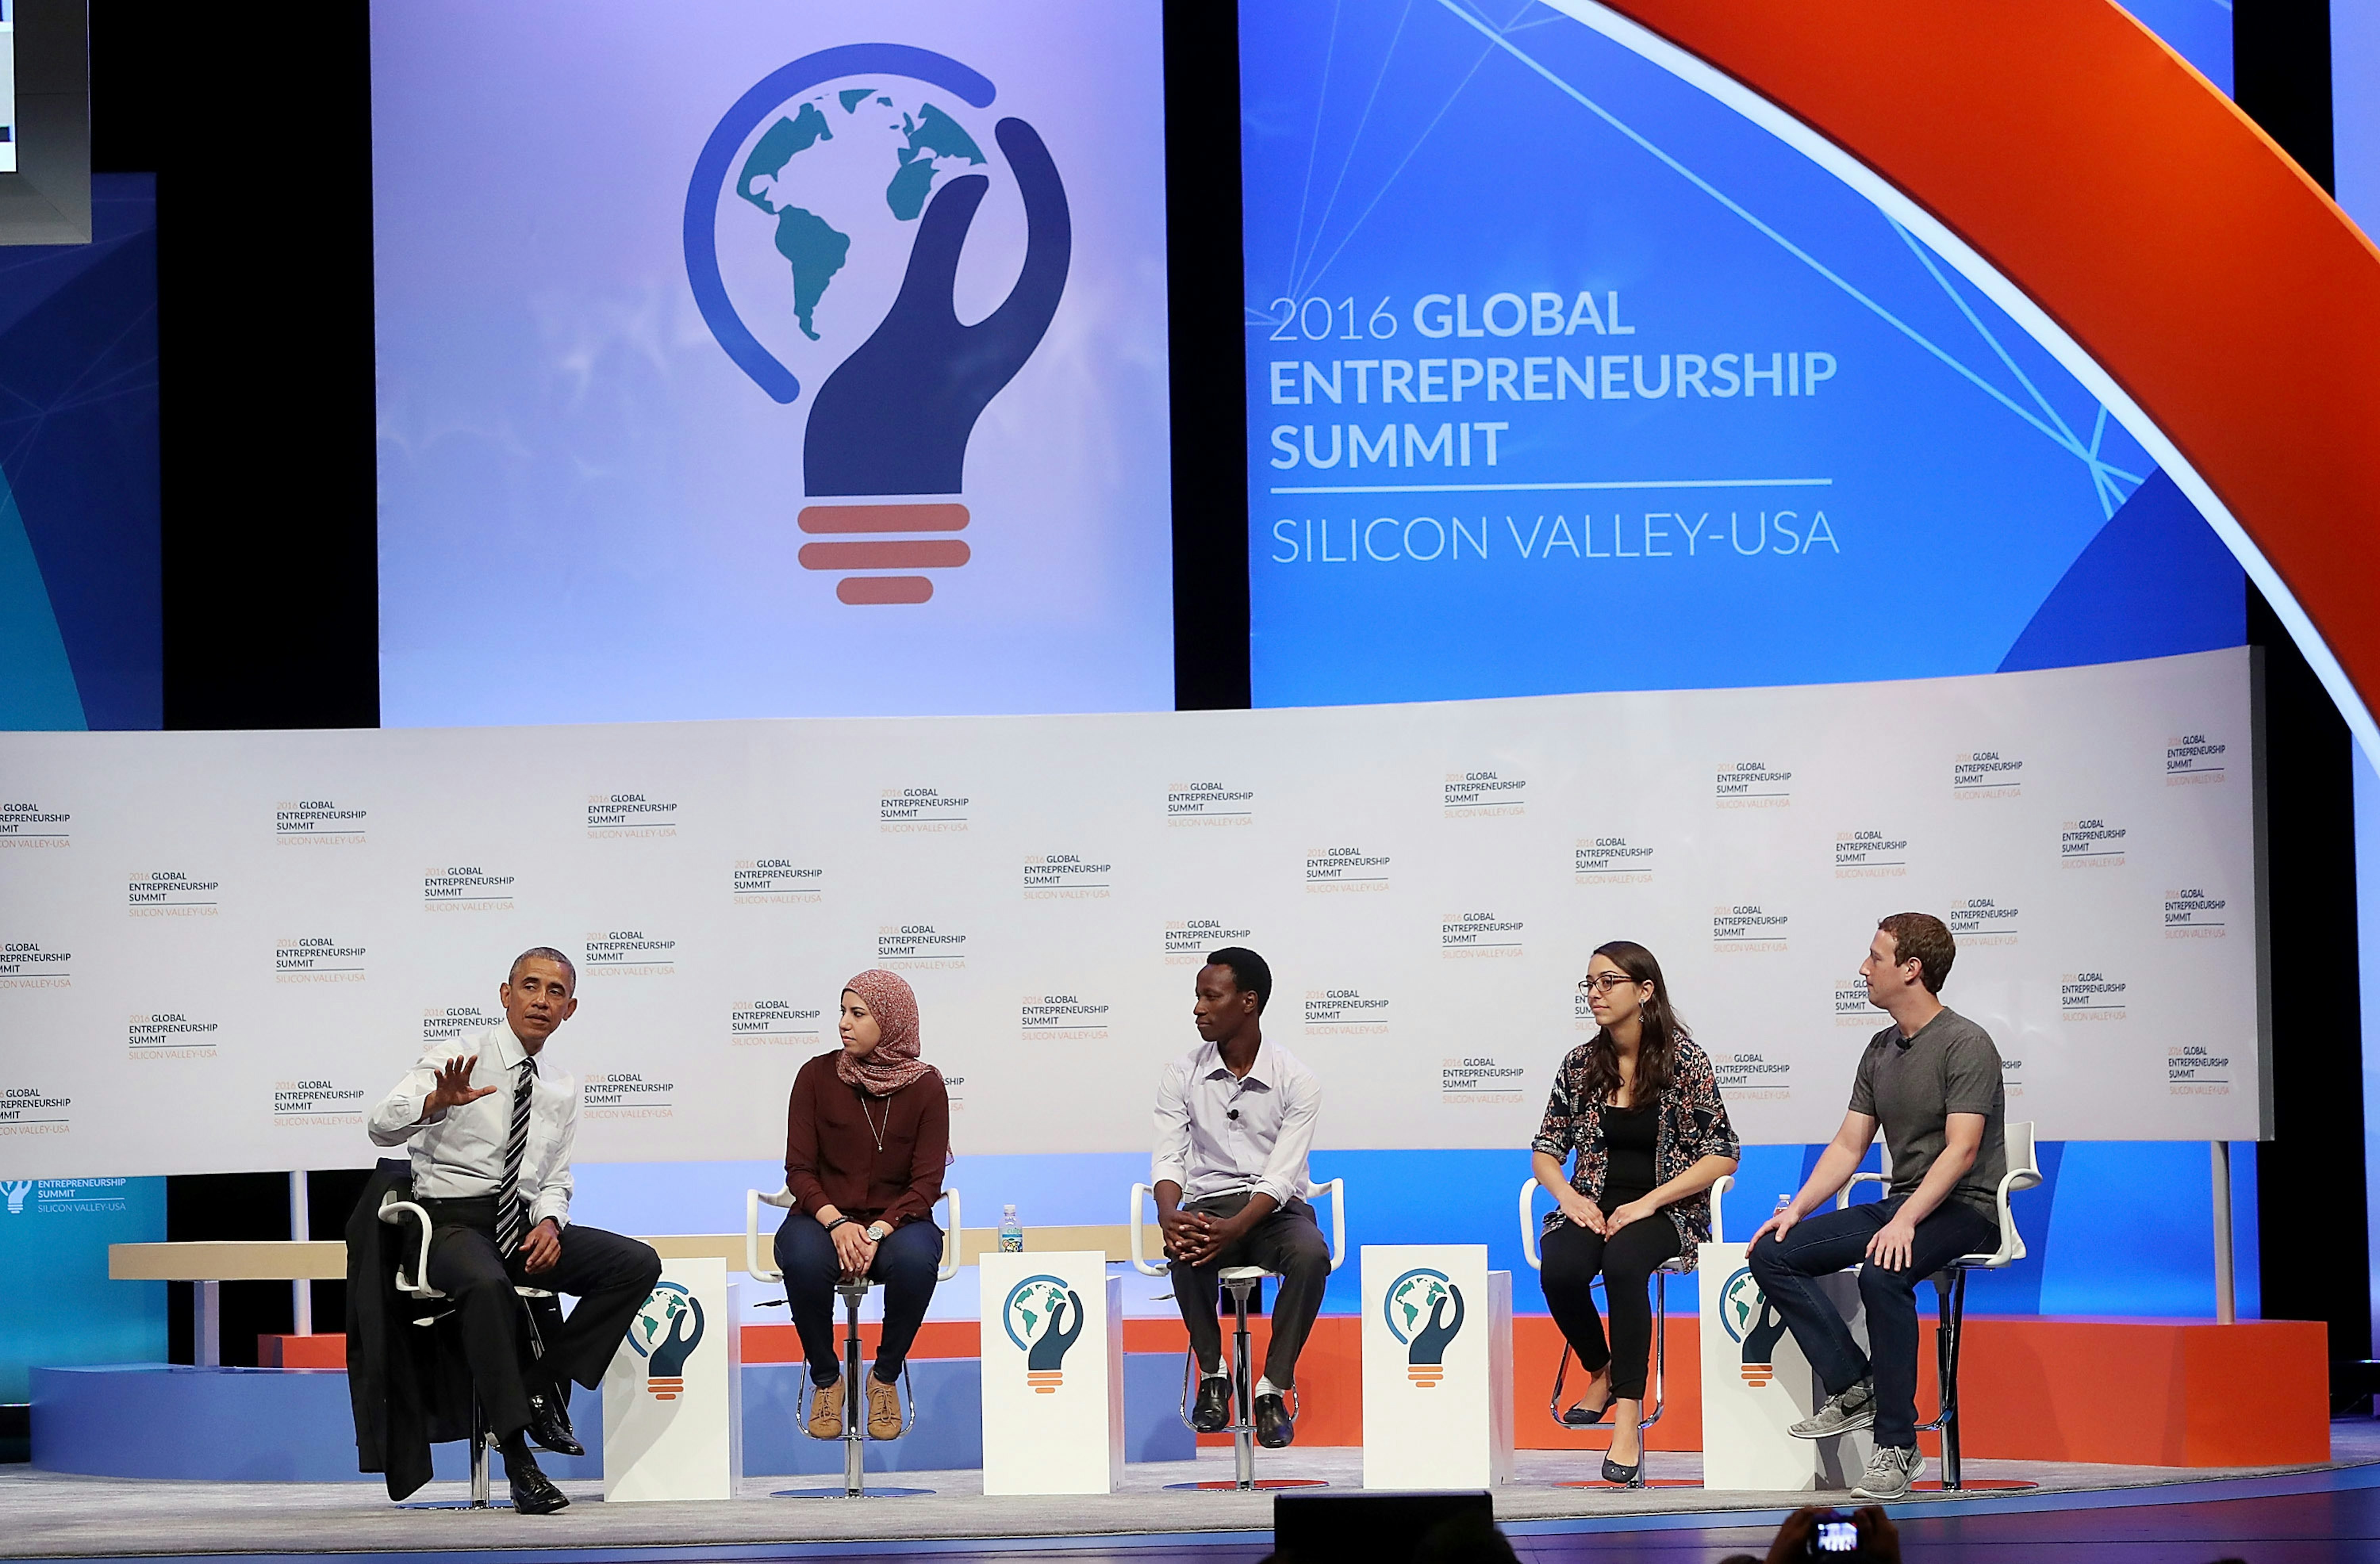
1012, 1232
1784, 1203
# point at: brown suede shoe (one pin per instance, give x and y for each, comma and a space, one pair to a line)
884, 1409
826, 1411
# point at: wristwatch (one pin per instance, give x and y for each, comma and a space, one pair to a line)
878, 1232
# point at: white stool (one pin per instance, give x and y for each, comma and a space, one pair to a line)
1239, 1281
1950, 1287
1676, 1267
436, 1307
852, 1294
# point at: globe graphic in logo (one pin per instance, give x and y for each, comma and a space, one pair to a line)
1031, 1304
1411, 1298
816, 224
1739, 1303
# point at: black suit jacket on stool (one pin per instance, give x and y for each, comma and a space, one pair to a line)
408, 1385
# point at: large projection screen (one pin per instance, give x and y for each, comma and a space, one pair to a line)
746, 359
218, 950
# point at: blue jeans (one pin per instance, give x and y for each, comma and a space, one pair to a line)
906, 1262
1836, 1240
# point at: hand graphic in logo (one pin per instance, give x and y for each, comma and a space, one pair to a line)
666, 1332
1426, 1360
1044, 1365
15, 1193
1753, 1320
894, 417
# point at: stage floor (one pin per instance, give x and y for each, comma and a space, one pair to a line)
51, 1516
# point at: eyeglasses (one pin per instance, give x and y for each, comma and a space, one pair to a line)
1604, 983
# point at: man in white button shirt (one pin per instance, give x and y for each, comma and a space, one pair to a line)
1235, 1120
495, 1179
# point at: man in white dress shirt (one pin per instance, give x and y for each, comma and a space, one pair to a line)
493, 1173
1235, 1120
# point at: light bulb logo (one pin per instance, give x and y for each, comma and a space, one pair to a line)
666, 1333
1753, 1320
1417, 1309
835, 158
1043, 1317
16, 1193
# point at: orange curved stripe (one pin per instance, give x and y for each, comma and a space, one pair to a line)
2138, 207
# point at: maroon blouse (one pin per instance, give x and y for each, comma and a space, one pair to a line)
831, 1153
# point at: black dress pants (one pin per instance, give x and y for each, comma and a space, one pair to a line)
610, 1276
1573, 1255
1286, 1243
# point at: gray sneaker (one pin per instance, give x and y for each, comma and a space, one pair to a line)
1855, 1408
1889, 1473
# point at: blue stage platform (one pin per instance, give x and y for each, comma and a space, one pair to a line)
293, 1425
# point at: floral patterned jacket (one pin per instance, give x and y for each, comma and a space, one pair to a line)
1693, 1124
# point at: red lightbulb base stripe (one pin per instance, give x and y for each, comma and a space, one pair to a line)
884, 553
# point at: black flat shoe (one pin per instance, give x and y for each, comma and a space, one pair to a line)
1625, 1476
549, 1425
533, 1491
1274, 1429
1213, 1413
1579, 1417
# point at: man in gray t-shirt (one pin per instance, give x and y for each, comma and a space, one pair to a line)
1932, 1082
1911, 1085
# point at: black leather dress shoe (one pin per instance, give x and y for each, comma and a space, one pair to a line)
549, 1425
1213, 1413
1274, 1428
533, 1491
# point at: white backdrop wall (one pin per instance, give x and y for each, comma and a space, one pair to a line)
217, 950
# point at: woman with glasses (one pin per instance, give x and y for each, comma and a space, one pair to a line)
1639, 1106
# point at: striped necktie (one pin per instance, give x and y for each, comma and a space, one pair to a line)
512, 1216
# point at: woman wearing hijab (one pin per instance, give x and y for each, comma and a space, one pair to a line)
868, 1132
1639, 1104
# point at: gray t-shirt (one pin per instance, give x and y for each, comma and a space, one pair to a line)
1912, 1085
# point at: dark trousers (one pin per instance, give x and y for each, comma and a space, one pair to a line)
1288, 1244
1835, 1241
1573, 1255
907, 1262
610, 1276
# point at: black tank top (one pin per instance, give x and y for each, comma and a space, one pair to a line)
1628, 1135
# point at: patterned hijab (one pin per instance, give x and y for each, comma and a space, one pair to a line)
893, 1063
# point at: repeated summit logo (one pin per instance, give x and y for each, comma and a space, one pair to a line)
1417, 1309
824, 225
1752, 1321
666, 1333
1043, 1316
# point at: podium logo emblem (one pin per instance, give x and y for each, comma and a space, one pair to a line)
1423, 1311
666, 1333
1752, 1320
1043, 1316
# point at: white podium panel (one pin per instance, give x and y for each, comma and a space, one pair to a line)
1053, 1374
673, 1398
1756, 1383
1437, 1368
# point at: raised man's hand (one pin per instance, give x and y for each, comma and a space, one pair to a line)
453, 1087
541, 1248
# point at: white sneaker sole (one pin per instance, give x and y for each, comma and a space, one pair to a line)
1850, 1424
